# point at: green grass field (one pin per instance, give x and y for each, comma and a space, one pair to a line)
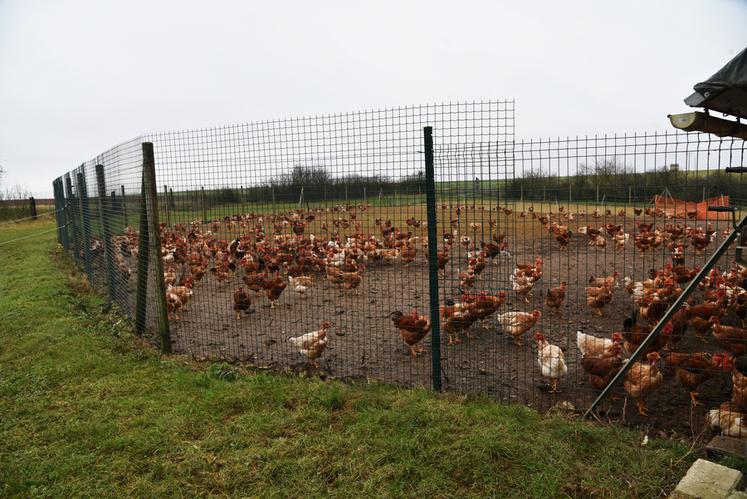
87, 410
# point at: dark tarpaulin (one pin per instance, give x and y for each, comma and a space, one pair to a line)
725, 91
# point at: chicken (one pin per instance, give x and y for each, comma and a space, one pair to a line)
312, 344
603, 368
593, 346
241, 302
442, 258
739, 386
522, 285
351, 280
518, 323
173, 305
183, 292
301, 284
412, 328
732, 338
457, 317
598, 297
274, 288
620, 239
609, 282
731, 422
694, 369
642, 379
555, 297
633, 336
550, 360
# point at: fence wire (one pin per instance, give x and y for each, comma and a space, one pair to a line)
301, 244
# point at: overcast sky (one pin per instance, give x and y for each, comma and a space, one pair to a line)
79, 77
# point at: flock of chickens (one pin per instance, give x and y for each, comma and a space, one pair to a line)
274, 252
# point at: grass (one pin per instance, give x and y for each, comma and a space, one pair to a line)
87, 410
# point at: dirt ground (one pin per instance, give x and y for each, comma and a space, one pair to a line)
364, 344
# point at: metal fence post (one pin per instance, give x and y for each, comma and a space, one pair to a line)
106, 233
151, 193
430, 193
143, 260
85, 222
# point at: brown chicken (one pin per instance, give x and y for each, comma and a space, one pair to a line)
694, 369
633, 336
274, 288
555, 297
598, 297
602, 369
738, 387
413, 328
241, 302
642, 379
351, 280
732, 338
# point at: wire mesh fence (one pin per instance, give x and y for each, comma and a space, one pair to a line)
303, 243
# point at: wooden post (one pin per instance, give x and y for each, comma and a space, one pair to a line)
32, 207
630, 194
273, 198
204, 205
172, 205
106, 233
365, 199
124, 207
151, 195
346, 193
243, 209
300, 198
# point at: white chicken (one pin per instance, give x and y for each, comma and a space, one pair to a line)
551, 361
301, 284
732, 423
593, 346
518, 323
312, 344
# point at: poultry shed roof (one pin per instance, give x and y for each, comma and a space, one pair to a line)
726, 90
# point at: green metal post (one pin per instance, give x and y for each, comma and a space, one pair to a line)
430, 193
85, 222
151, 194
106, 232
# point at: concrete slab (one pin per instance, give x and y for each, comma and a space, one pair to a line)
721, 446
707, 480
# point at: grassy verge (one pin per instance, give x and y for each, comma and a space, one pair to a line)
85, 410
